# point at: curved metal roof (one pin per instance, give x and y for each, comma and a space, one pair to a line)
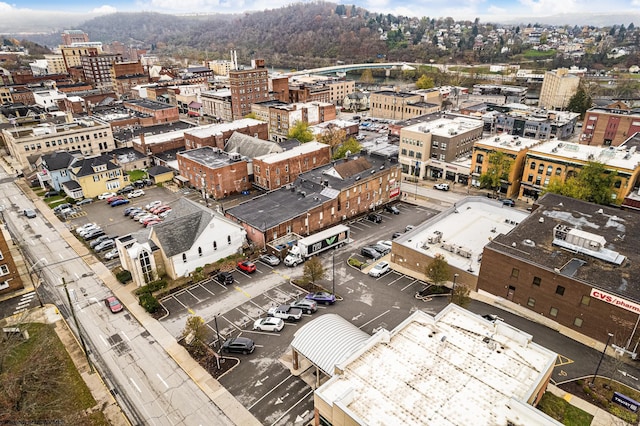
328, 340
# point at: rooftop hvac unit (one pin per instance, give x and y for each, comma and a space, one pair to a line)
449, 247
464, 252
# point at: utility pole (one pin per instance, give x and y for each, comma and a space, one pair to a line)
75, 320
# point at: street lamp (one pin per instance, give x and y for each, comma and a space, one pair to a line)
215, 320
601, 358
333, 273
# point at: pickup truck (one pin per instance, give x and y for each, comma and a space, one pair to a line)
285, 312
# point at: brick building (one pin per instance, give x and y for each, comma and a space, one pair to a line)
126, 75
97, 69
10, 279
214, 172
392, 105
610, 125
283, 117
161, 113
218, 135
247, 87
272, 171
572, 262
216, 104
74, 36
318, 199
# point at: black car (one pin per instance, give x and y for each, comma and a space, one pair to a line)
396, 235
391, 209
225, 278
127, 189
95, 233
51, 194
139, 184
382, 249
370, 252
242, 345
374, 217
508, 202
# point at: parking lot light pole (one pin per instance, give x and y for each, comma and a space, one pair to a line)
333, 273
215, 320
610, 335
453, 288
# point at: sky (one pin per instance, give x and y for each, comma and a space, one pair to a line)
486, 10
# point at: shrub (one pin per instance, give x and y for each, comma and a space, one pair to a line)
355, 263
149, 303
152, 287
123, 276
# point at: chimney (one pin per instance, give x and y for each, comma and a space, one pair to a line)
69, 117
143, 145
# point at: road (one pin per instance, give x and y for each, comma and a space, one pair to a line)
149, 386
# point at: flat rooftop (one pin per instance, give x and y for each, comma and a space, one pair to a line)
302, 149
208, 156
617, 157
452, 369
512, 143
148, 104
478, 221
446, 126
220, 129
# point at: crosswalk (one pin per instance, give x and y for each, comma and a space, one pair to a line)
24, 302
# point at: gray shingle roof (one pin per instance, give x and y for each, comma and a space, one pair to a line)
178, 234
58, 160
158, 170
87, 165
251, 147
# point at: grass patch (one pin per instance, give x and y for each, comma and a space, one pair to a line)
356, 263
537, 54
53, 388
137, 174
562, 411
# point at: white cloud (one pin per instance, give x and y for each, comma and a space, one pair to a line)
495, 10
550, 7
104, 9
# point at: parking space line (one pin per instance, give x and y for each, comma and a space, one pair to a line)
375, 318
193, 296
257, 306
178, 300
230, 322
292, 407
205, 288
397, 279
246, 275
265, 333
409, 285
244, 313
267, 394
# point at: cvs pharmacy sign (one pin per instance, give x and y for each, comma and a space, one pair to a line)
615, 300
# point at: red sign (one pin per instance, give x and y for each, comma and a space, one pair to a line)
394, 192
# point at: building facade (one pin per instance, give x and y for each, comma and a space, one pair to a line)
97, 69
391, 105
610, 125
216, 104
557, 88
98, 174
247, 87
282, 118
10, 279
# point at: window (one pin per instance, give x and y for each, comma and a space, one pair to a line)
586, 300
531, 302
515, 272
4, 284
537, 281
533, 165
558, 171
553, 312
1, 256
145, 266
560, 290
229, 239
184, 257
541, 168
4, 270
215, 245
530, 178
549, 170
577, 322
200, 251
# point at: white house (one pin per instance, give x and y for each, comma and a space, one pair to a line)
191, 237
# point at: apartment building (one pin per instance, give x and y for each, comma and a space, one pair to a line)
557, 88
248, 86
97, 69
88, 136
218, 135
610, 125
316, 87
160, 112
284, 117
220, 67
74, 36
216, 104
442, 139
560, 160
273, 171
499, 93
513, 147
127, 75
10, 279
214, 172
97, 174
73, 55
391, 105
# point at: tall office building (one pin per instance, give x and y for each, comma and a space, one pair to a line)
557, 88
248, 86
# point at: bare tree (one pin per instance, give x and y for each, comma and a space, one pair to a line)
313, 270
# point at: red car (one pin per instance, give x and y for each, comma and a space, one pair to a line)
160, 209
246, 266
113, 304
112, 199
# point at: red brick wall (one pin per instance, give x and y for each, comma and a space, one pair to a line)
296, 165
219, 182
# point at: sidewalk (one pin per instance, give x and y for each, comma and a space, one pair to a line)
600, 417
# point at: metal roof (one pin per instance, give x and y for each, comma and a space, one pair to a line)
328, 340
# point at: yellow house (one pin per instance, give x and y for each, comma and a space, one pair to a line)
514, 147
98, 174
560, 160
160, 174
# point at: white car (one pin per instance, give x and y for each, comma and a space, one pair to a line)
106, 195
268, 324
165, 213
85, 226
384, 243
148, 216
379, 269
153, 204
135, 194
112, 254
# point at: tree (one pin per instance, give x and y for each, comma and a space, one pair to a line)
333, 137
593, 183
196, 330
498, 170
438, 271
424, 82
350, 145
580, 102
367, 77
313, 270
301, 131
460, 295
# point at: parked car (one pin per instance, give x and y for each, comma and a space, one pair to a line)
246, 266
114, 198
153, 204
105, 245
113, 304
106, 195
396, 235
308, 306
374, 217
160, 209
242, 345
29, 213
268, 324
441, 186
323, 297
127, 189
165, 213
94, 233
86, 226
270, 259
148, 217
135, 194
52, 193
140, 215
59, 208
508, 202
391, 209
85, 201
117, 203
381, 248
152, 222
408, 228
379, 269
98, 240
139, 184
83, 232
224, 277
112, 254
147, 182
127, 211
370, 252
